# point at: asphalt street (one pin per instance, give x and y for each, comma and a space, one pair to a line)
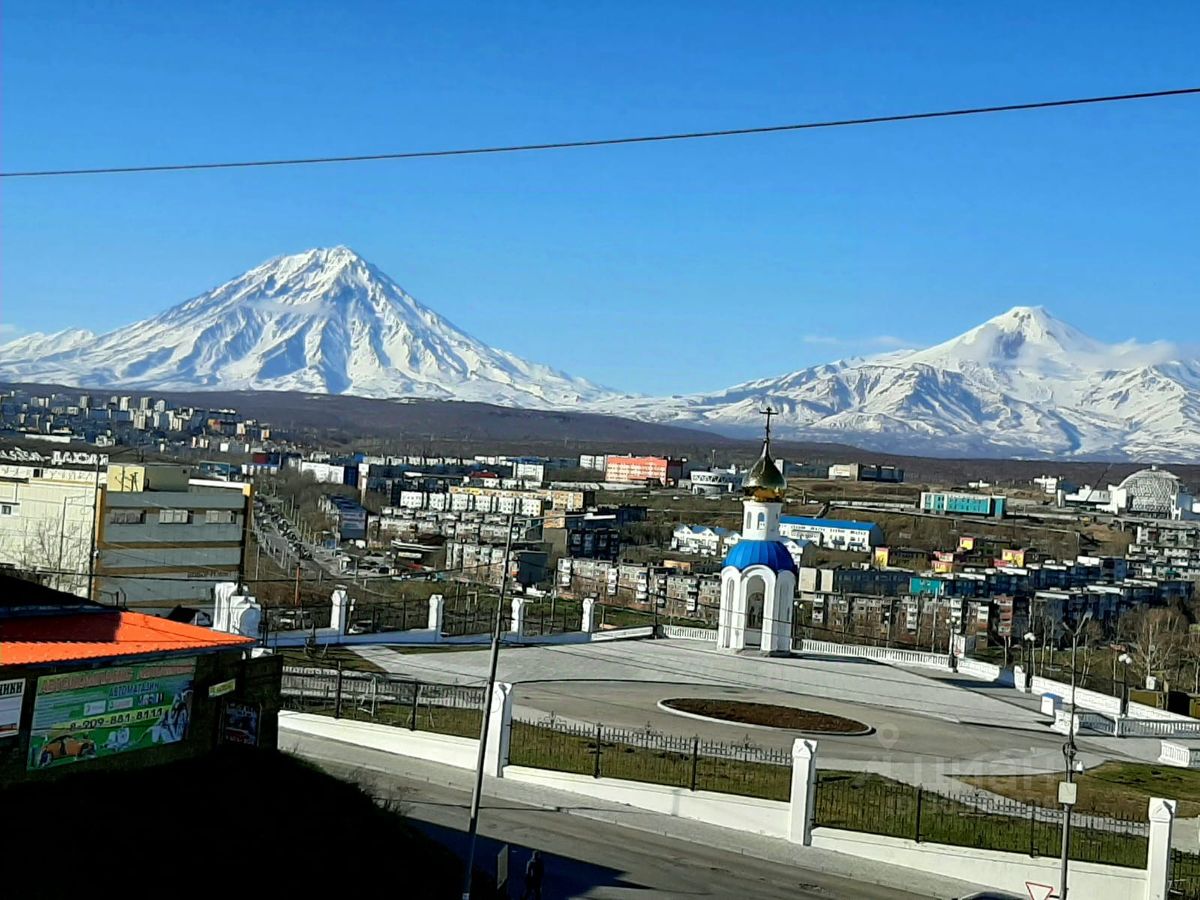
583, 857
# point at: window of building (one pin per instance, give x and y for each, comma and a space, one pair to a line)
6, 509
126, 517
174, 516
218, 517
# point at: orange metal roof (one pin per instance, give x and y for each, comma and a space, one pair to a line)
46, 639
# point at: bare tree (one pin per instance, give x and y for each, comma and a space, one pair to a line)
49, 545
1154, 636
1093, 634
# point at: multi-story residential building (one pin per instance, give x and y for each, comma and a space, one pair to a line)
1167, 549
563, 500
594, 543
836, 534
350, 517
643, 470
594, 461
706, 540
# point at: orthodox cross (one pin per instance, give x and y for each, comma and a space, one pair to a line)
768, 412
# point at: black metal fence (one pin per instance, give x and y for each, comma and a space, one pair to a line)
1185, 875
547, 618
415, 705
871, 803
477, 618
651, 756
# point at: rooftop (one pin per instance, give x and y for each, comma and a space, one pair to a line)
31, 640
827, 523
772, 554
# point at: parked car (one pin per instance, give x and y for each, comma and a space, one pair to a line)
66, 746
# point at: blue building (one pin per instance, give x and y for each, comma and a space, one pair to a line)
953, 503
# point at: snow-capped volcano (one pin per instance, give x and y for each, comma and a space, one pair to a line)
326, 321
322, 321
1023, 383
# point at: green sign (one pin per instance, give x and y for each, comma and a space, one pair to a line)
101, 712
221, 688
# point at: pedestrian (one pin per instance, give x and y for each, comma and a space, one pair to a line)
534, 869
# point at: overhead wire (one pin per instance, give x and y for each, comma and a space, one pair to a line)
604, 142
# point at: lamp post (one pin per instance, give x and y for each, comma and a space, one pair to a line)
1125, 660
477, 791
1069, 753
1029, 637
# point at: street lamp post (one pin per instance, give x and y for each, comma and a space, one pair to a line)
1069, 754
477, 791
1125, 660
1029, 637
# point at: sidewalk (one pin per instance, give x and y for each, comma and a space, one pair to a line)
749, 845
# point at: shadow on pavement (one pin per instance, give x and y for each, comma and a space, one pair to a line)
564, 876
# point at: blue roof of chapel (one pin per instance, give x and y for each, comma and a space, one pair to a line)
771, 554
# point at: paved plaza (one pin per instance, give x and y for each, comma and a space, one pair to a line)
925, 729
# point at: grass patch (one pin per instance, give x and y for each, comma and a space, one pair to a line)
871, 803
436, 719
546, 748
328, 657
1112, 789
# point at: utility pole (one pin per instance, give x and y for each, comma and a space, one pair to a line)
95, 528
477, 791
1068, 799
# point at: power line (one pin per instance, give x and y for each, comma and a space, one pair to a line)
603, 142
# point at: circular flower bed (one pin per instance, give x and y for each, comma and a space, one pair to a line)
767, 715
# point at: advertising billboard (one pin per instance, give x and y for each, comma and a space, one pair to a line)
101, 712
239, 724
12, 693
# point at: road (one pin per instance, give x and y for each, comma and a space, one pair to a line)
276, 546
584, 857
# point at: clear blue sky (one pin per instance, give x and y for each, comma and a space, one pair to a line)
666, 268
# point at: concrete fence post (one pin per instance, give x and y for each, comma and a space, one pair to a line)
589, 615
339, 618
804, 791
1158, 854
437, 612
517, 626
495, 756
1020, 682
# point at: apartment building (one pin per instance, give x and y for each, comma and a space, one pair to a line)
163, 537
643, 469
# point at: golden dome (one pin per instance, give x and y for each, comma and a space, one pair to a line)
764, 481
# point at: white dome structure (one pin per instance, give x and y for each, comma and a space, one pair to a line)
1154, 493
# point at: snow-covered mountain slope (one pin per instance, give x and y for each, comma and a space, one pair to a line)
327, 321
322, 321
1021, 384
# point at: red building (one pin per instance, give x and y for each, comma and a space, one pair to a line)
643, 469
